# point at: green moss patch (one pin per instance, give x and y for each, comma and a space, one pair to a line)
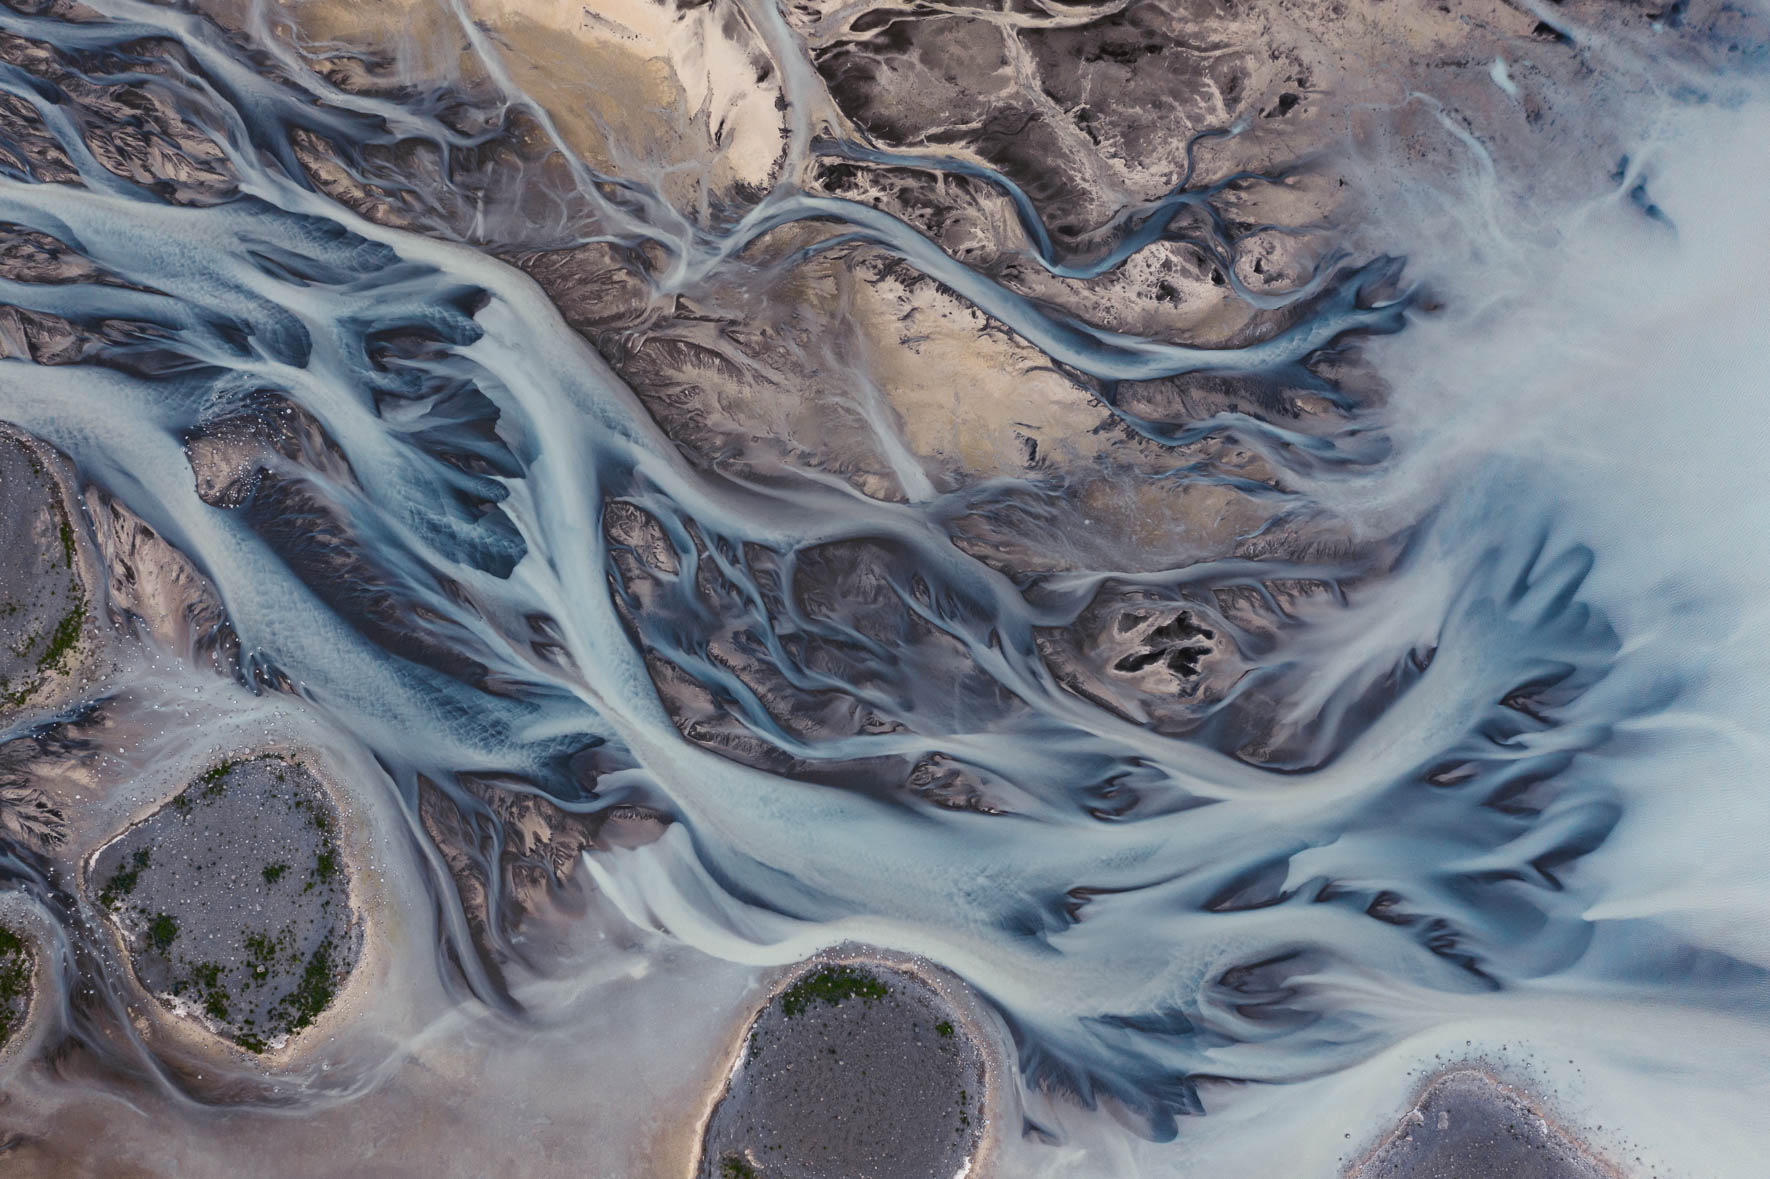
15, 982
161, 932
315, 992
240, 911
833, 985
53, 659
45, 615
124, 880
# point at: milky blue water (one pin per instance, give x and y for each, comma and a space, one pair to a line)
1537, 800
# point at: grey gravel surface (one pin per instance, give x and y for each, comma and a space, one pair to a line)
16, 963
866, 1074
42, 603
1468, 1126
234, 900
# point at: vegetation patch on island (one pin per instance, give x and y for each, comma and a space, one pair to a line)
43, 604
832, 985
859, 1070
234, 901
735, 1166
15, 982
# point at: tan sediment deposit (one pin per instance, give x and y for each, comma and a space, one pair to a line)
683, 97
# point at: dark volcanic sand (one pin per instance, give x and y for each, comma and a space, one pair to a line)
16, 962
234, 900
42, 603
870, 1086
1471, 1127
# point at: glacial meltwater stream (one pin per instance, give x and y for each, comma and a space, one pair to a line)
1513, 794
